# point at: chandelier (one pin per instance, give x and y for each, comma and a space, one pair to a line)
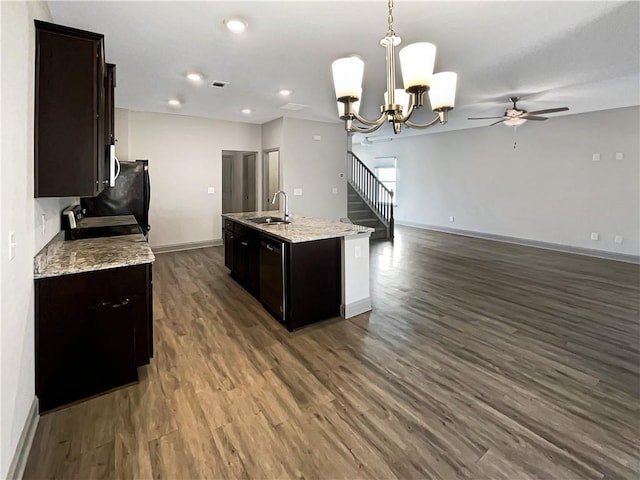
416, 61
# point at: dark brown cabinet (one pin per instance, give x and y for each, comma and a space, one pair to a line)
92, 332
70, 112
298, 283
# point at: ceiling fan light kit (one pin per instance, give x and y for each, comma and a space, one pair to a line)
417, 61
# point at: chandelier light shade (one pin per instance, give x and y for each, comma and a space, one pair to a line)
443, 90
402, 98
347, 77
417, 61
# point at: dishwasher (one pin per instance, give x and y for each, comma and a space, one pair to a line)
272, 289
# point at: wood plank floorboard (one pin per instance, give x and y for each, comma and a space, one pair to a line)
480, 360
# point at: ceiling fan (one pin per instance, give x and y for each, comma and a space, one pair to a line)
515, 116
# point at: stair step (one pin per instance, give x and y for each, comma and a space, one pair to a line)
374, 222
364, 211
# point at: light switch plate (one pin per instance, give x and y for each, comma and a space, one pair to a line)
211, 190
595, 236
619, 156
12, 245
596, 157
618, 239
334, 190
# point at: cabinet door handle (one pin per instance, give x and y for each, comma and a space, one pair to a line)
269, 247
244, 244
123, 303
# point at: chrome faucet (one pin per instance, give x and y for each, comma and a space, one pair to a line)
286, 202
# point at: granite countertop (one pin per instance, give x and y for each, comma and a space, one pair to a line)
107, 221
60, 257
301, 229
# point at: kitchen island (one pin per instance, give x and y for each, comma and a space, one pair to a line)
93, 315
303, 271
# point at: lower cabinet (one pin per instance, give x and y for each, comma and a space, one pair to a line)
241, 245
92, 332
298, 283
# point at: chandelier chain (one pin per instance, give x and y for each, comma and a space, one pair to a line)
390, 32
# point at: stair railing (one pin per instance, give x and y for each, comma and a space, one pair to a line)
377, 195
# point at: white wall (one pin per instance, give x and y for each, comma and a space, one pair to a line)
185, 157
314, 166
122, 133
21, 214
547, 189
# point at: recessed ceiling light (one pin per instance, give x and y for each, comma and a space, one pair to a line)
246, 111
174, 102
285, 92
236, 25
196, 77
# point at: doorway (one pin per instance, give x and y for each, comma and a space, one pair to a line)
239, 192
271, 179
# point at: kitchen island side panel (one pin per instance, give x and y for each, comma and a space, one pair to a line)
314, 282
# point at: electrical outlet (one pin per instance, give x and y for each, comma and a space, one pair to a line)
452, 219
618, 239
317, 138
297, 192
44, 224
595, 236
211, 190
334, 190
596, 157
358, 251
619, 156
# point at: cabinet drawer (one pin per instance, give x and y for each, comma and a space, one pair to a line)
86, 292
229, 224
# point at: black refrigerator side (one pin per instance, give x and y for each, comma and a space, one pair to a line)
130, 196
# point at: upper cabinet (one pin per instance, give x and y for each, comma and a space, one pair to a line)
72, 122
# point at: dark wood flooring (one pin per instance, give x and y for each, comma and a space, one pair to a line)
480, 360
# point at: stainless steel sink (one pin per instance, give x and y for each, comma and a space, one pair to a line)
269, 220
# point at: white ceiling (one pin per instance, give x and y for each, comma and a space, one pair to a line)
584, 55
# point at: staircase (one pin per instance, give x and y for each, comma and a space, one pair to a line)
370, 203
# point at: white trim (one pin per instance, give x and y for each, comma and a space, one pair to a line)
355, 308
20, 456
590, 252
186, 246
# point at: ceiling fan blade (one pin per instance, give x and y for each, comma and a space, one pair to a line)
533, 118
483, 118
548, 110
499, 121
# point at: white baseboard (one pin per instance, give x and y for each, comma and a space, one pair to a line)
186, 246
21, 455
355, 308
620, 257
